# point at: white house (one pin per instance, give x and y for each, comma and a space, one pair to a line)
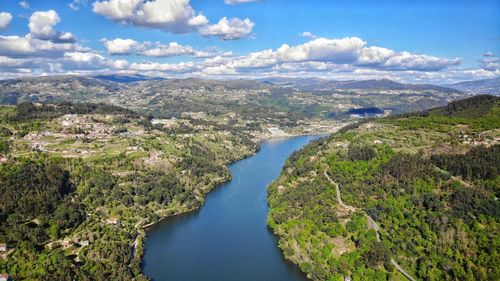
4, 277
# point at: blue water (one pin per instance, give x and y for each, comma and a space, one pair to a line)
227, 239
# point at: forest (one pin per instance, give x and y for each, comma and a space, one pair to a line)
82, 218
433, 195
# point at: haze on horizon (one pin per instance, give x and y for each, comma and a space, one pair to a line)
406, 41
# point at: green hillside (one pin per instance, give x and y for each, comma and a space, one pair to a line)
78, 183
417, 195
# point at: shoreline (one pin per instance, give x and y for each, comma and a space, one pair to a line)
144, 229
152, 224
180, 214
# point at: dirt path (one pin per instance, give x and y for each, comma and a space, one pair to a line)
372, 224
398, 267
339, 198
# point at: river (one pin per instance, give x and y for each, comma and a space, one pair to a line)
227, 239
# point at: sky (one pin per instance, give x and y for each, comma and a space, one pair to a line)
421, 41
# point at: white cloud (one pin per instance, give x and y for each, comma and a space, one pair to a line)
75, 5
45, 50
345, 50
175, 16
408, 61
41, 25
374, 55
233, 2
5, 19
88, 61
27, 46
349, 51
229, 29
309, 35
12, 63
172, 49
182, 67
120, 46
220, 70
25, 4
42, 41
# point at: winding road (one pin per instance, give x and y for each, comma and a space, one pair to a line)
372, 224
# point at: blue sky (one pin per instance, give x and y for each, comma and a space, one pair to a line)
410, 41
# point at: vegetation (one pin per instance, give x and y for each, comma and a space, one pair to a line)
298, 106
78, 182
430, 180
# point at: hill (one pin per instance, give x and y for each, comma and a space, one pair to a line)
297, 106
484, 86
385, 84
79, 181
127, 78
410, 195
317, 84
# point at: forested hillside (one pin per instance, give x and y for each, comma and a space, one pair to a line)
78, 182
413, 194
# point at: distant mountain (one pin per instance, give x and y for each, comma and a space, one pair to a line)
50, 88
318, 84
67, 79
299, 83
484, 86
171, 97
62, 81
386, 84
128, 78
208, 84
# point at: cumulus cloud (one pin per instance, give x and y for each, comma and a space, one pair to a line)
68, 62
233, 2
349, 51
345, 50
309, 35
229, 29
25, 4
76, 4
13, 63
5, 19
44, 49
172, 49
41, 25
183, 67
42, 40
120, 46
89, 61
175, 16
344, 58
28, 46
408, 61
42, 43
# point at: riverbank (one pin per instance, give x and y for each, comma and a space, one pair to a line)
259, 142
210, 239
146, 228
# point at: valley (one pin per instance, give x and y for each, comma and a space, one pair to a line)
111, 158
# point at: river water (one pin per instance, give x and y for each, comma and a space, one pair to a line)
227, 239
